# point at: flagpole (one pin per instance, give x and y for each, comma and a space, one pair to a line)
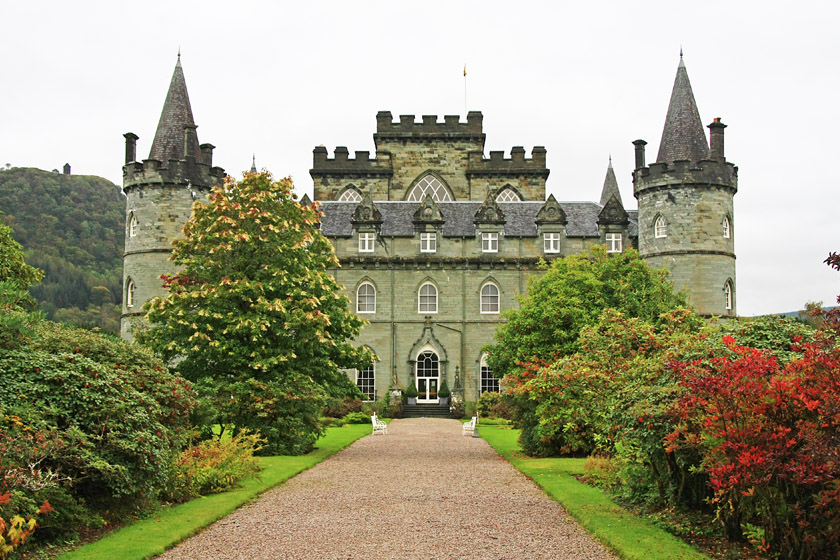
465, 90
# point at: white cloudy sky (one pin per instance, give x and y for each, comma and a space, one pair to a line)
584, 79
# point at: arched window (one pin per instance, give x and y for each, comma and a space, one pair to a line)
129, 293
727, 228
429, 184
132, 225
366, 381
489, 298
488, 381
366, 298
660, 227
728, 295
427, 298
350, 194
508, 195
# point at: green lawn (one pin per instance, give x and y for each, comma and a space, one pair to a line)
625, 534
165, 528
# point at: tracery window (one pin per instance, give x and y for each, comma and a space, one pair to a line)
489, 298
350, 195
427, 298
508, 195
429, 184
488, 381
660, 227
366, 298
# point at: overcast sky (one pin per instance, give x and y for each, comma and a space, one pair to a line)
583, 79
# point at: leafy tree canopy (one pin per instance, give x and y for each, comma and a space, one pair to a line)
13, 269
254, 317
570, 296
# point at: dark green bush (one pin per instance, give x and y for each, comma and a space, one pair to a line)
356, 418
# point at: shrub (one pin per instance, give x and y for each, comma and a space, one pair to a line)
338, 407
356, 418
494, 405
215, 465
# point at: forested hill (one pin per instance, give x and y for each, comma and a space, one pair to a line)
71, 226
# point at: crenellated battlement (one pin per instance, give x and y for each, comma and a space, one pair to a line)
682, 172
429, 127
517, 163
175, 172
342, 163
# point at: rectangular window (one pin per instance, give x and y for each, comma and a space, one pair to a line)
366, 383
428, 242
613, 243
489, 242
488, 381
366, 242
551, 242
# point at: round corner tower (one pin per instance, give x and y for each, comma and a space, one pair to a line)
160, 192
686, 212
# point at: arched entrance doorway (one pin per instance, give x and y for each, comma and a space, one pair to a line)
427, 376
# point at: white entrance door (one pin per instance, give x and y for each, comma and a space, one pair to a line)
428, 377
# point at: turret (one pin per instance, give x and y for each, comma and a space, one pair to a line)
160, 192
686, 204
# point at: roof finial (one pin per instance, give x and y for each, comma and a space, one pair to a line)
680, 51
610, 161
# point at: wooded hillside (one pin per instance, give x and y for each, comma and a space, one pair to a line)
71, 226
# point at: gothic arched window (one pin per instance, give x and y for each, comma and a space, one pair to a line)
728, 295
129, 293
132, 225
727, 228
508, 195
429, 184
660, 227
350, 194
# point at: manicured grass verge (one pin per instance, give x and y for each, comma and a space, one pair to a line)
625, 534
165, 528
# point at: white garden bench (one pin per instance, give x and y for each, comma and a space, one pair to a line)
469, 427
379, 427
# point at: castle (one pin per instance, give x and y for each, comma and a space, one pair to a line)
435, 240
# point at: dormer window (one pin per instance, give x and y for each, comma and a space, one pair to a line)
428, 242
613, 243
551, 242
660, 227
489, 242
366, 241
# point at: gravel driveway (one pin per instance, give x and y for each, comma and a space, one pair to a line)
422, 491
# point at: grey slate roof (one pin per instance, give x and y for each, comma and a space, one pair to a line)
520, 218
169, 137
683, 136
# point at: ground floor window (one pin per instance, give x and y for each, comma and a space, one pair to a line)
365, 382
488, 381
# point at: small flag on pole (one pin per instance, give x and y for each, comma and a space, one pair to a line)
465, 70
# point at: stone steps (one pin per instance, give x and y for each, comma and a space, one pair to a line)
426, 411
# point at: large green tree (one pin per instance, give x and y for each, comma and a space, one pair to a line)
570, 296
254, 318
15, 279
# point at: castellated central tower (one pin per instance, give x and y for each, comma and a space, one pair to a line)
160, 192
686, 205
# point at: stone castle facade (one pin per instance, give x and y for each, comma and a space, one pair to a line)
436, 240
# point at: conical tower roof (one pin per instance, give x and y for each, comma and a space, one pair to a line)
177, 113
610, 187
683, 136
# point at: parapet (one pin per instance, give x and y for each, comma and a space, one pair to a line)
343, 164
516, 164
706, 172
429, 127
175, 172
